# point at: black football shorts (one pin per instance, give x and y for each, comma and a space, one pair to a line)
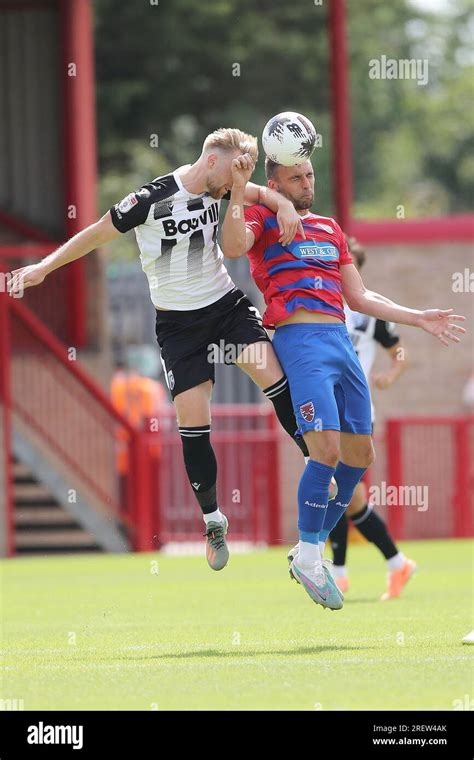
192, 341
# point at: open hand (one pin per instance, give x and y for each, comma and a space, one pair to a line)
440, 324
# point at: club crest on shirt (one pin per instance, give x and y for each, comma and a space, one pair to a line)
307, 411
325, 227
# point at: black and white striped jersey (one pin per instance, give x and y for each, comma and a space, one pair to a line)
365, 332
176, 233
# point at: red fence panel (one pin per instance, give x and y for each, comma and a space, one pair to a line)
434, 455
244, 438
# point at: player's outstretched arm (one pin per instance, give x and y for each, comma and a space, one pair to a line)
92, 237
437, 322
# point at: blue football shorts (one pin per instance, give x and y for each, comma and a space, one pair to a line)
327, 384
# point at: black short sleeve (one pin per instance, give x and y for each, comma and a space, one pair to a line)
133, 210
385, 334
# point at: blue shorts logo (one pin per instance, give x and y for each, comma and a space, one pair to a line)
313, 250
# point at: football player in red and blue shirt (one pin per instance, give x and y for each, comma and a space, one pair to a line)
303, 284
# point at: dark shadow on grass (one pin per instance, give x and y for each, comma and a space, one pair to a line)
237, 652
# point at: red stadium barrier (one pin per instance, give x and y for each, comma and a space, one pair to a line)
435, 454
245, 438
73, 421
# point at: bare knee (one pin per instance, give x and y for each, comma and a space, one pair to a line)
357, 450
192, 406
369, 455
323, 446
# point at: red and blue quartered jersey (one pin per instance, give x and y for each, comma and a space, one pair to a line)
306, 274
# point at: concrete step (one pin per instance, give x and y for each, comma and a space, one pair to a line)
60, 539
46, 516
21, 471
32, 492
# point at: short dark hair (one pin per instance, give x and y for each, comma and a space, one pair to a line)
271, 168
356, 250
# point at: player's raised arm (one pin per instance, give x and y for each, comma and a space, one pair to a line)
90, 238
236, 238
438, 322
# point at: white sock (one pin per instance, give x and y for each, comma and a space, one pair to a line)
322, 546
308, 554
215, 516
396, 562
339, 571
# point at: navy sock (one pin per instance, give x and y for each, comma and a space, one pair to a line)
313, 494
347, 478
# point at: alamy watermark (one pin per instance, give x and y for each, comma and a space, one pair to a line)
228, 353
401, 68
6, 278
399, 496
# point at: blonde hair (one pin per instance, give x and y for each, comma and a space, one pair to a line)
226, 138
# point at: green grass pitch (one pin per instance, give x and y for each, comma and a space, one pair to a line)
147, 632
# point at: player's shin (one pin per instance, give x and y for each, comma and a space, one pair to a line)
201, 467
313, 495
347, 478
338, 539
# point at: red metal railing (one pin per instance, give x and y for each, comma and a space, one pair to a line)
64, 409
245, 439
437, 454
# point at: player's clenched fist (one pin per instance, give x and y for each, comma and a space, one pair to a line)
242, 169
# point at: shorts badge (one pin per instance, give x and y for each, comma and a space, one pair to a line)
307, 411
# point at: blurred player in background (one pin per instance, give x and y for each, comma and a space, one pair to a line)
304, 283
175, 218
367, 333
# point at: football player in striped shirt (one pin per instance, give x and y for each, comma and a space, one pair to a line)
367, 334
304, 283
175, 218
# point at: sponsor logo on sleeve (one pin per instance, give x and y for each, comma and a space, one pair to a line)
129, 202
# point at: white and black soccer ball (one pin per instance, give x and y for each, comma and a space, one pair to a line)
289, 138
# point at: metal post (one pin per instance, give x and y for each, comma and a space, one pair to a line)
7, 544
340, 113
